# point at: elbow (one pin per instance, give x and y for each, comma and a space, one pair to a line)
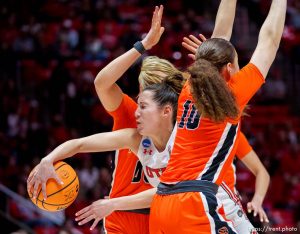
267, 176
99, 82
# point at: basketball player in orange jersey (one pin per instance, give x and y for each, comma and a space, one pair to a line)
227, 192
209, 111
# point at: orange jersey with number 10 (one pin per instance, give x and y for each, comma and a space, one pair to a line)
203, 149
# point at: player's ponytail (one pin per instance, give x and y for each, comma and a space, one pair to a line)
212, 95
175, 81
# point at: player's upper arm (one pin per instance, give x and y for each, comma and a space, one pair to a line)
264, 55
111, 97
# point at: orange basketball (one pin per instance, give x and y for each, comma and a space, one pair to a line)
59, 196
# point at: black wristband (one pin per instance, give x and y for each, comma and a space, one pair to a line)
139, 47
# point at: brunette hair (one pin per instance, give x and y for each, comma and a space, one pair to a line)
212, 96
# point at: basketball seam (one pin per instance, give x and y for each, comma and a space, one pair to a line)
60, 166
50, 204
57, 192
63, 187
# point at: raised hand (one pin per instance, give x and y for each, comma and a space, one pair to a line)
156, 30
256, 207
39, 177
192, 43
97, 211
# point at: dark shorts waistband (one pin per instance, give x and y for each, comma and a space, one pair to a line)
138, 211
187, 186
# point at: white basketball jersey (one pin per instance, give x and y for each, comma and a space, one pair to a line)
154, 162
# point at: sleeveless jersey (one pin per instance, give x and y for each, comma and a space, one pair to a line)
153, 161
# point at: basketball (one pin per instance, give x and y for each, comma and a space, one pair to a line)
59, 196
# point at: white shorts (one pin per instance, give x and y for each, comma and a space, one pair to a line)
234, 211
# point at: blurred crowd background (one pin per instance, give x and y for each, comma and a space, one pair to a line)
50, 53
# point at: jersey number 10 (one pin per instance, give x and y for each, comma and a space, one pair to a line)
190, 117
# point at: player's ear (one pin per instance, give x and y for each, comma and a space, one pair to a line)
167, 110
225, 71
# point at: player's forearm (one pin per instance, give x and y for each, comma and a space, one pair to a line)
115, 69
261, 185
224, 19
63, 151
272, 28
136, 201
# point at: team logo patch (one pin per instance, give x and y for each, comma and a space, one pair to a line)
223, 230
240, 213
146, 143
147, 151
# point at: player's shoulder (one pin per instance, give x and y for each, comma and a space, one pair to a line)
250, 69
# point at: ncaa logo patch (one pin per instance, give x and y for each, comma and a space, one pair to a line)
146, 143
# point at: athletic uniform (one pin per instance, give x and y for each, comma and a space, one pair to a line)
128, 178
228, 195
153, 161
186, 198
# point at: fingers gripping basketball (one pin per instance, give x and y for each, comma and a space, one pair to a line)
59, 196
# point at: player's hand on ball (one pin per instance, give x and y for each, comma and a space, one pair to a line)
97, 210
156, 30
39, 177
257, 208
191, 43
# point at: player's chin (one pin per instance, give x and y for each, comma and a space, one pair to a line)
140, 130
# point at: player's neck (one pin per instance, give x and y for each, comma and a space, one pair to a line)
161, 139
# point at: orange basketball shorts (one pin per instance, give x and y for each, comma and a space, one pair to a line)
122, 222
187, 212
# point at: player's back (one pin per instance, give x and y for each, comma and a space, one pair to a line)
204, 149
195, 132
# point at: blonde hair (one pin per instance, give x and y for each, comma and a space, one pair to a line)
154, 70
